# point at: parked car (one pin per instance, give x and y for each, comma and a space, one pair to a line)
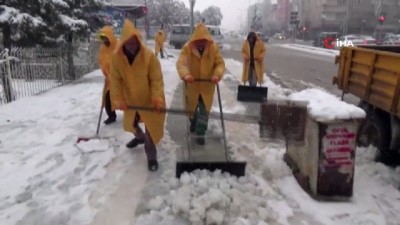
279, 36
391, 40
319, 39
368, 40
263, 37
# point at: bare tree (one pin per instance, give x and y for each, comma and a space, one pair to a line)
212, 15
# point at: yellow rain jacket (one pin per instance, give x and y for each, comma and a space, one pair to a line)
159, 39
104, 57
259, 53
138, 84
200, 67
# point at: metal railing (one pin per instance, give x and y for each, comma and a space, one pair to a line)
30, 71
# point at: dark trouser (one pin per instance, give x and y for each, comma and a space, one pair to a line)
149, 146
252, 76
110, 113
200, 118
162, 52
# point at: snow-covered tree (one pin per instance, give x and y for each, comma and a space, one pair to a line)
47, 22
167, 12
197, 16
212, 15
77, 18
19, 20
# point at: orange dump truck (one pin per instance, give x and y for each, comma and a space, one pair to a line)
372, 73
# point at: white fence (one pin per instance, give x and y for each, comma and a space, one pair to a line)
30, 71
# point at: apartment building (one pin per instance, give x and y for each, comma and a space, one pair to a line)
348, 16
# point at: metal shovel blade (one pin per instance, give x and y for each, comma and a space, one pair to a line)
237, 169
82, 139
86, 139
252, 94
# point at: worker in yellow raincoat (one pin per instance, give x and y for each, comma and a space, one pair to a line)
137, 81
108, 43
253, 52
200, 58
160, 39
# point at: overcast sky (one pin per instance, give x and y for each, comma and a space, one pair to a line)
234, 11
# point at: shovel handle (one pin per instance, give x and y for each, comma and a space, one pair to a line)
202, 80
163, 110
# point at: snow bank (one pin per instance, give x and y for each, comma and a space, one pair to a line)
312, 50
326, 107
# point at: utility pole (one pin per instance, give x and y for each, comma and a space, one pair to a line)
192, 3
349, 10
248, 17
146, 21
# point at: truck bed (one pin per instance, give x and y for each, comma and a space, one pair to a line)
371, 73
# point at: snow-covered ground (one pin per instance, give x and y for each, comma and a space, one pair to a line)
47, 179
311, 49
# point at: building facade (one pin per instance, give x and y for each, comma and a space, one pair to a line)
349, 16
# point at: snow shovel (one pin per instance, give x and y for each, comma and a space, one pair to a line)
168, 55
252, 93
97, 130
189, 165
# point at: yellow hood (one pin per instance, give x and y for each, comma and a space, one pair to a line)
201, 32
109, 33
128, 31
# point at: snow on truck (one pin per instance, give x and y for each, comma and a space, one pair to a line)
372, 73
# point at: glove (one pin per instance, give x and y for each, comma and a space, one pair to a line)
122, 106
215, 79
188, 78
158, 104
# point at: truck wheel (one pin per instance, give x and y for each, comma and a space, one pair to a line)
376, 130
362, 134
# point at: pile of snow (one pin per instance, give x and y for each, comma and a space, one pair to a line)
326, 107
211, 198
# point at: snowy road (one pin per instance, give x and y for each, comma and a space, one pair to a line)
47, 180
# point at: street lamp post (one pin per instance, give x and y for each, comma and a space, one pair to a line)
363, 26
192, 3
146, 21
